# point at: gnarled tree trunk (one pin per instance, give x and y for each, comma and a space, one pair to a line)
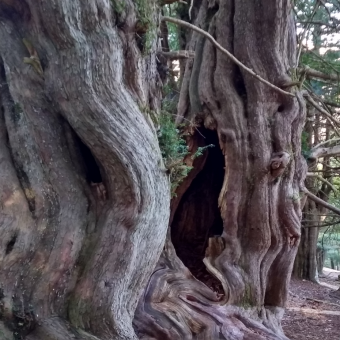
257, 225
84, 195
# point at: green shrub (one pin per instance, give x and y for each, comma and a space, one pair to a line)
174, 150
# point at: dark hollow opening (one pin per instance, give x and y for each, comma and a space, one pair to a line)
198, 217
281, 108
10, 244
91, 166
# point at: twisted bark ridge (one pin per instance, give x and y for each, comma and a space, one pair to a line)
82, 194
258, 133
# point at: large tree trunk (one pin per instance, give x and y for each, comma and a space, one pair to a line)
84, 195
83, 192
259, 208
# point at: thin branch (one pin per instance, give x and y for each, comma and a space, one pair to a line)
311, 174
318, 200
303, 35
319, 75
190, 8
320, 23
172, 114
332, 104
175, 55
325, 108
326, 142
316, 214
320, 226
331, 172
321, 59
226, 52
319, 108
169, 2
323, 152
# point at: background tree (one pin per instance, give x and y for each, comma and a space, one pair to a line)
85, 193
319, 72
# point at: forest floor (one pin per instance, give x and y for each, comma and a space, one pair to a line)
312, 313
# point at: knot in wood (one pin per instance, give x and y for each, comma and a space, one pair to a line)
278, 163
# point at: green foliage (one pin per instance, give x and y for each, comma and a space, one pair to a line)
148, 38
200, 150
174, 149
322, 52
305, 149
146, 25
173, 30
118, 6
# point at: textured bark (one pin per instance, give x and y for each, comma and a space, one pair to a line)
259, 203
306, 264
84, 197
83, 193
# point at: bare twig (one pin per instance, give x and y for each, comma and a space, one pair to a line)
321, 59
323, 152
169, 2
181, 54
226, 52
190, 8
318, 200
329, 103
319, 108
172, 114
320, 75
311, 174
326, 142
319, 225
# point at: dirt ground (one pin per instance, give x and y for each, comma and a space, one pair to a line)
313, 314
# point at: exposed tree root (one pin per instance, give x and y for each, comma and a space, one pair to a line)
177, 306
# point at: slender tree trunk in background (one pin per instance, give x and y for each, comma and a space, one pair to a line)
257, 206
308, 264
305, 266
305, 262
84, 196
320, 258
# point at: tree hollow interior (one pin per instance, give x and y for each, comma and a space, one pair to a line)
198, 216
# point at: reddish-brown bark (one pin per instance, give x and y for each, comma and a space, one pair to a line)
84, 195
259, 135
68, 253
